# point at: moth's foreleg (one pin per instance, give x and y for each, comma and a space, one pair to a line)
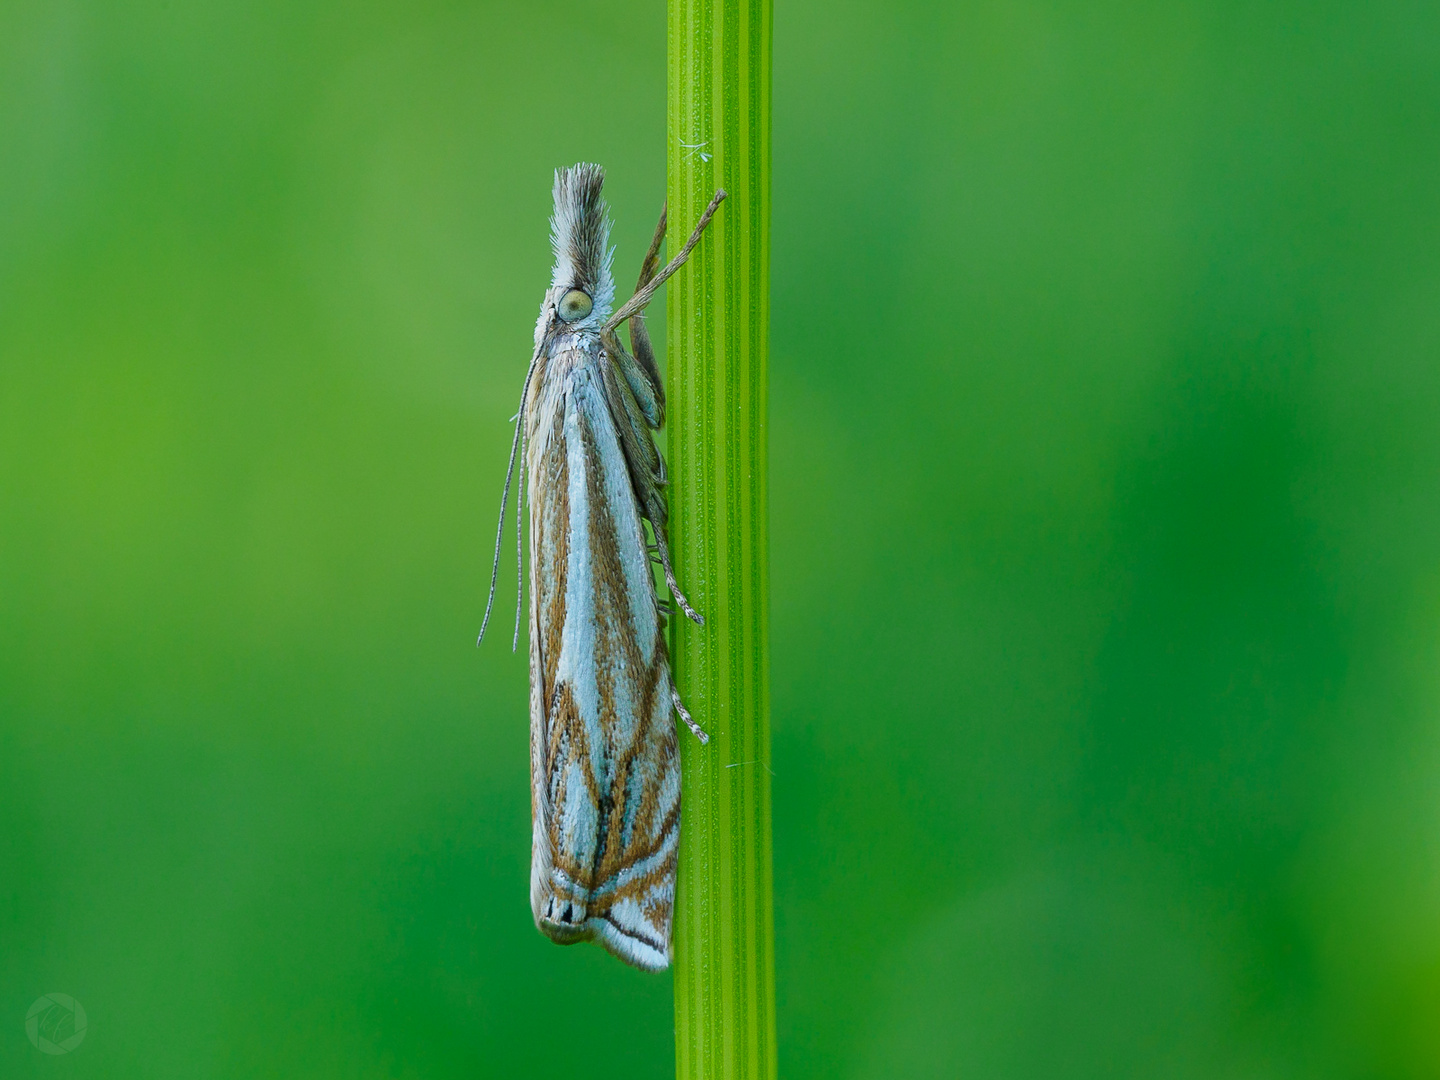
640, 372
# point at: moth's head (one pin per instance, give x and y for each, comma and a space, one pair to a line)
581, 288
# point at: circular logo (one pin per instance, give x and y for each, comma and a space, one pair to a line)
55, 1024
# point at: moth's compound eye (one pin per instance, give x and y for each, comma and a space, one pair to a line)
575, 304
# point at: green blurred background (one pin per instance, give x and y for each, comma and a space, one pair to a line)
1105, 440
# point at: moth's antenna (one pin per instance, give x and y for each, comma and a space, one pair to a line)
500, 528
643, 296
500, 532
519, 533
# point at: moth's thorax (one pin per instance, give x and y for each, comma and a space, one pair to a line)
571, 350
565, 356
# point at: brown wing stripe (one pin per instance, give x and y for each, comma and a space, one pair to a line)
554, 544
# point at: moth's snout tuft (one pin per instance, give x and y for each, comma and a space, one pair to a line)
580, 236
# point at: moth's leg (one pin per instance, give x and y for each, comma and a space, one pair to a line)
628, 415
643, 380
643, 366
643, 296
662, 548
685, 715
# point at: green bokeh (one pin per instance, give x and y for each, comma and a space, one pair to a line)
1106, 494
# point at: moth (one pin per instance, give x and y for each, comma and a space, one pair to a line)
604, 754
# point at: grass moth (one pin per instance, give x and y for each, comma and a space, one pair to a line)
604, 754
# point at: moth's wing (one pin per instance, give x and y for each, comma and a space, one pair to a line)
604, 753
549, 527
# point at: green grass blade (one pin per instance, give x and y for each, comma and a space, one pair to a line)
718, 129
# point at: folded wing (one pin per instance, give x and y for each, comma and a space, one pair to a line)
603, 748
